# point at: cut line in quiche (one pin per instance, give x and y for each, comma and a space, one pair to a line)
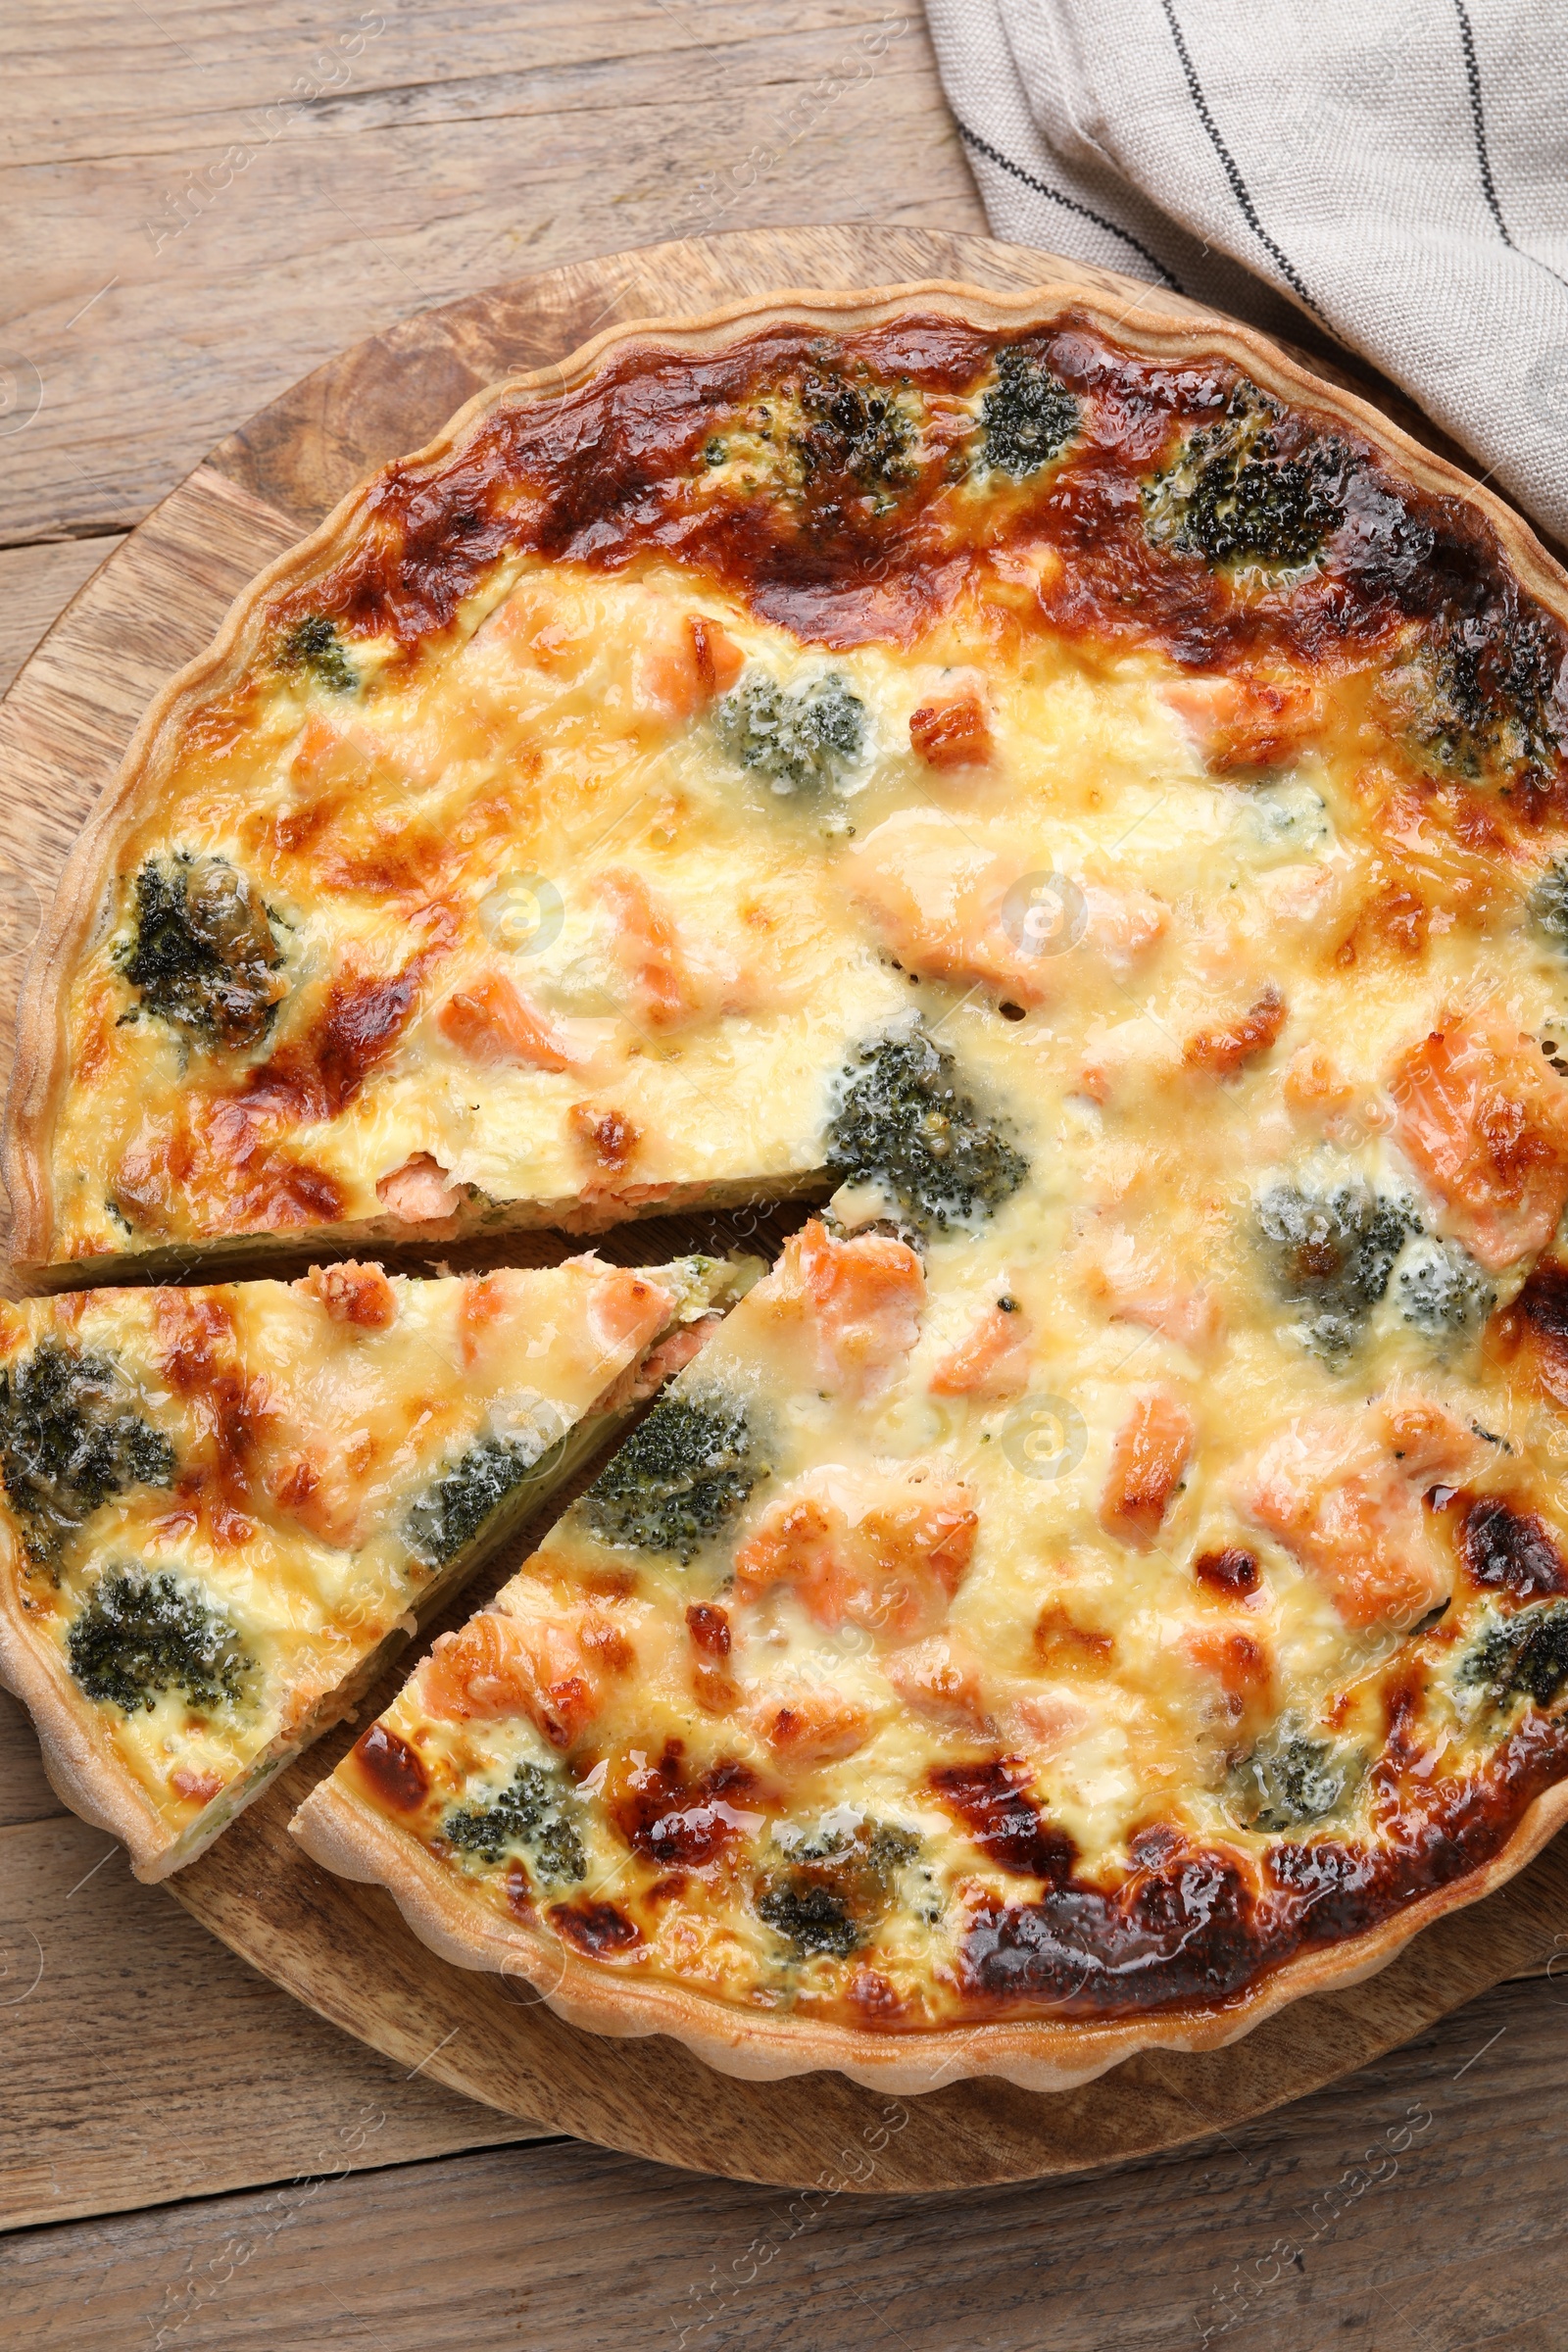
226, 1507
1084, 800
876, 1708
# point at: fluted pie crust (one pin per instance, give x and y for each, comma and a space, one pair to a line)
1240, 751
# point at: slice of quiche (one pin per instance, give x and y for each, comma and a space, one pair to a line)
878, 1690
224, 1506
546, 838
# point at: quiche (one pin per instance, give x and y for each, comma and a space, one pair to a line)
225, 1506
1082, 804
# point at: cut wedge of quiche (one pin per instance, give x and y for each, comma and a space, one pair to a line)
877, 1696
225, 1507
1084, 800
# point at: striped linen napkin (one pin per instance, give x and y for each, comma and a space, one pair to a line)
1397, 175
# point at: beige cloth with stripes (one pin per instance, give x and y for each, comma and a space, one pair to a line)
1391, 177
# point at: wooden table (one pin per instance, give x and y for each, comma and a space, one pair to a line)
203, 203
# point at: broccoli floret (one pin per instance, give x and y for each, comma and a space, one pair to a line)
1028, 416
314, 645
1287, 816
68, 1444
1333, 1250
452, 1510
1232, 497
887, 1849
843, 1877
859, 431
1439, 1289
1549, 906
877, 1847
811, 1918
1483, 694
1521, 1656
679, 1476
1288, 1780
535, 1813
204, 957
904, 1120
802, 738
139, 1635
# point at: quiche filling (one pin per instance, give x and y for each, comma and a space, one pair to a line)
223, 1505
1099, 829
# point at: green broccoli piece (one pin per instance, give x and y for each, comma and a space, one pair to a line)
1231, 496
1333, 1250
904, 1120
859, 432
1549, 906
877, 1847
887, 1849
314, 645
811, 1918
802, 738
1484, 695
1440, 1291
679, 1476
204, 957
841, 1881
534, 1813
68, 1444
138, 1636
452, 1510
1028, 416
1523, 1655
1288, 1780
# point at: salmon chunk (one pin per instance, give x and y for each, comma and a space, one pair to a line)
419, 1192
1149, 1453
1484, 1122
683, 661
1245, 723
951, 910
1343, 1491
809, 1724
993, 1361
939, 1679
552, 1670
1135, 1287
882, 1551
647, 946
953, 731
862, 1297
492, 1022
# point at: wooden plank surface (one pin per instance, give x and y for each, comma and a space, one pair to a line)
24, 1791
36, 584
1417, 2209
463, 142
159, 308
141, 2062
341, 1948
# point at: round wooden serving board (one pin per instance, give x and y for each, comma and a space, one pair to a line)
341, 1948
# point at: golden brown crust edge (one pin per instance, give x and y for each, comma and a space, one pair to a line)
348, 1837
1042, 2054
41, 1069
88, 1777
82, 1769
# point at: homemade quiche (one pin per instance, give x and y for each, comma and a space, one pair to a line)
225, 1507
1086, 800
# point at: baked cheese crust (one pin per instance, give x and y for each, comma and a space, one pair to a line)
965, 1639
223, 1507
1091, 803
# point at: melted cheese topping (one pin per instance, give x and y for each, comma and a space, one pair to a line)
1133, 1576
290, 1472
1142, 1559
